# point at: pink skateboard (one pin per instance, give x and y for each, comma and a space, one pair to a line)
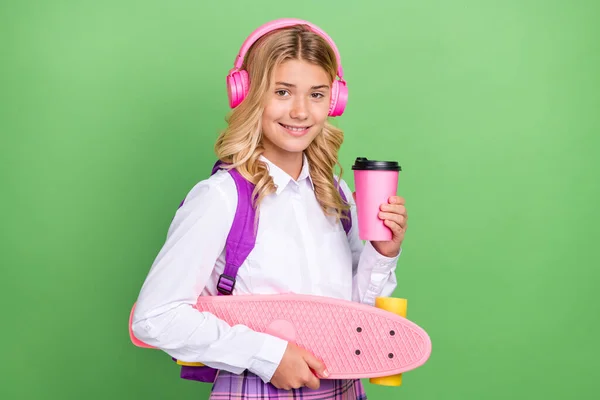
353, 340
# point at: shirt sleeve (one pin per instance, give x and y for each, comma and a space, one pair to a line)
374, 275
164, 316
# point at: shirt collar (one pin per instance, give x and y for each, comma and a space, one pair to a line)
281, 178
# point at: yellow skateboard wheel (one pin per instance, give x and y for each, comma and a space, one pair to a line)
398, 307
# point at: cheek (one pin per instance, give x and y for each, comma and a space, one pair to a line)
320, 112
274, 112
270, 117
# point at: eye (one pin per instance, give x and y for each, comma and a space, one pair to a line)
281, 92
317, 95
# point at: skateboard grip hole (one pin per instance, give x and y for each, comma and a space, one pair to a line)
391, 355
359, 329
392, 333
357, 352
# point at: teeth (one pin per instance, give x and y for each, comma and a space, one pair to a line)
291, 128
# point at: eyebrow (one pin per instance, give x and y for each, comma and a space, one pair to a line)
293, 86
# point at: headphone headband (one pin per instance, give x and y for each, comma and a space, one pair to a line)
283, 23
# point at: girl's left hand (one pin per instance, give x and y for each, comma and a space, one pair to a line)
395, 217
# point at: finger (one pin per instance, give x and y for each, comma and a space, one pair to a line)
317, 366
397, 200
311, 379
394, 208
397, 229
397, 218
354, 196
313, 382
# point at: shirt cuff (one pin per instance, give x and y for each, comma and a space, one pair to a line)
269, 357
379, 262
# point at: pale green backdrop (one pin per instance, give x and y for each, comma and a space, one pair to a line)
108, 116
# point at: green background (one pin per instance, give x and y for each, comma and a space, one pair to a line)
108, 117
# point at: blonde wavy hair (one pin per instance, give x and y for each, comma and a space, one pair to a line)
240, 144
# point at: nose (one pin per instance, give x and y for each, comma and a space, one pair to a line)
299, 109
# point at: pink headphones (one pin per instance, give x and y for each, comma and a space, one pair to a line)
238, 81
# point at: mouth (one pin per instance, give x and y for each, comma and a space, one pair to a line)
295, 130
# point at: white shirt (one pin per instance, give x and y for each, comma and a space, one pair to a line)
298, 249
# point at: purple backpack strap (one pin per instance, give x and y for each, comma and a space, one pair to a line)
242, 235
346, 223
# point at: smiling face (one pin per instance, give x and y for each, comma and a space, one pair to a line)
296, 109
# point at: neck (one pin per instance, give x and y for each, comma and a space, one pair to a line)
290, 163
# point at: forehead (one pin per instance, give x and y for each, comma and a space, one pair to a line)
300, 73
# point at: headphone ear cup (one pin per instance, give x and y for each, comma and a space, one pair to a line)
237, 87
339, 98
245, 83
232, 90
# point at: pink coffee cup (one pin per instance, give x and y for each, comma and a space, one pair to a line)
375, 182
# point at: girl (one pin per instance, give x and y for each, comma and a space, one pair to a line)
279, 139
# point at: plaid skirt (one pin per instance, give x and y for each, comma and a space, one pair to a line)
230, 386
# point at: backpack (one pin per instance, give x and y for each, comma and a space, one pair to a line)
240, 242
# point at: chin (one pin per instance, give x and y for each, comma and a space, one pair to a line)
295, 142
294, 147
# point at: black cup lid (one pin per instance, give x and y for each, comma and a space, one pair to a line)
362, 163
